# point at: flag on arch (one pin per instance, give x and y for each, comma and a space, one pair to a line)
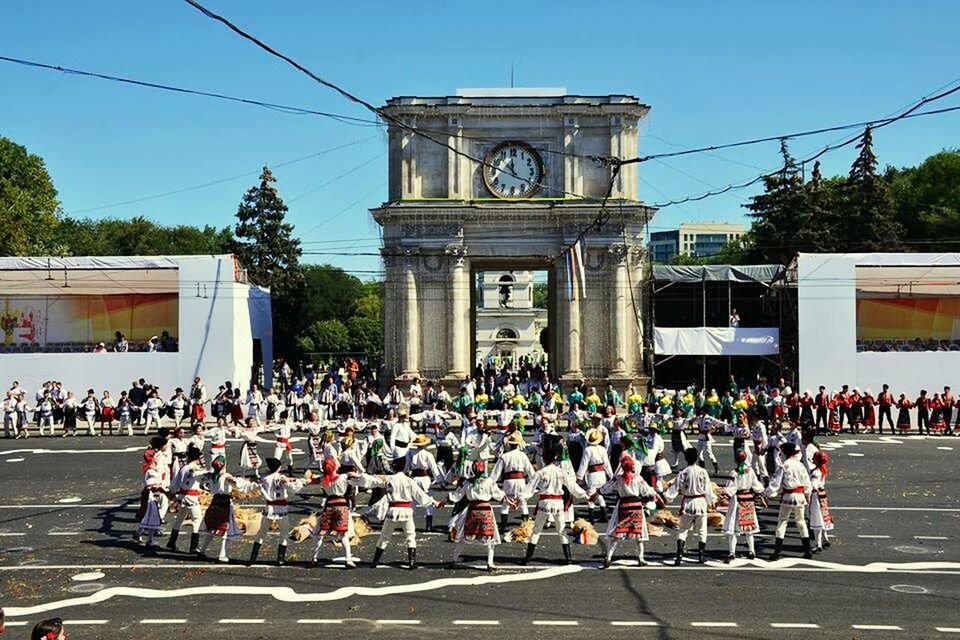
576, 282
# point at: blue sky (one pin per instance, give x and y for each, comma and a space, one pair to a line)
712, 72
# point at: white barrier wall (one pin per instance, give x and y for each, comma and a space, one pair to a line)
216, 331
826, 297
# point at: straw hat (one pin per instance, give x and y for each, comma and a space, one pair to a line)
514, 439
420, 441
597, 416
594, 436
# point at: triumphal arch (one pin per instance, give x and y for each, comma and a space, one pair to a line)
449, 216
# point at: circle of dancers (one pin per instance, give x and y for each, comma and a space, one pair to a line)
624, 469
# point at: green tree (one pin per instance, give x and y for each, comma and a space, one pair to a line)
366, 335
330, 292
138, 236
927, 200
368, 306
329, 335
541, 295
869, 218
268, 250
29, 209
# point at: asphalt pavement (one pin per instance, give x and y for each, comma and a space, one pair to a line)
67, 511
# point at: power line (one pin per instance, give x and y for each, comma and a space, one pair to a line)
219, 96
336, 178
221, 180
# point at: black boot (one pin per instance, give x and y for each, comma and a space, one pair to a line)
172, 542
194, 543
530, 549
377, 555
254, 553
567, 559
777, 549
429, 526
716, 469
411, 558
807, 554
281, 555
679, 558
591, 517
503, 522
701, 547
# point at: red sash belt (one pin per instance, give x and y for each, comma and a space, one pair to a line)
419, 473
550, 496
594, 468
745, 495
336, 501
514, 475
795, 490
478, 504
218, 446
401, 505
285, 441
630, 504
189, 492
277, 503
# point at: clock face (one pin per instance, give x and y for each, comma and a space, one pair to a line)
513, 170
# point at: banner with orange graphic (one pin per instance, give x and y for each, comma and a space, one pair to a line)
87, 319
927, 318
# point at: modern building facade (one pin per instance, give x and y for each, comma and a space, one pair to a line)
697, 239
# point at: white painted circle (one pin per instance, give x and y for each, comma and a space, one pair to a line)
87, 577
88, 587
69, 500
911, 549
909, 588
14, 459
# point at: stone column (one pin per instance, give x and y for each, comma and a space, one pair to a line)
569, 316
410, 327
459, 311
619, 303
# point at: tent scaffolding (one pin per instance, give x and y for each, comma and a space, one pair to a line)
692, 308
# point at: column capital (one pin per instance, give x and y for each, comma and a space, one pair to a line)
456, 254
619, 253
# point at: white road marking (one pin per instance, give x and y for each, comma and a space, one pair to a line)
63, 533
86, 577
163, 621
713, 624
931, 537
945, 448
855, 455
285, 594
634, 623
64, 506
877, 627
11, 534
885, 509
69, 500
940, 629
319, 621
878, 537
15, 459
240, 621
74, 623
556, 623
17, 623
794, 625
35, 451
397, 621
477, 623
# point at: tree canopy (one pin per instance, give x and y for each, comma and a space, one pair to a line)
29, 209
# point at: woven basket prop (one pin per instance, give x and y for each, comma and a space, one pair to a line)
248, 520
583, 532
521, 533
303, 529
665, 518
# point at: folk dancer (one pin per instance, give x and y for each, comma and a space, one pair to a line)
177, 407
90, 407
421, 466
903, 417
821, 520
249, 457
218, 520
476, 524
595, 470
792, 484
402, 493
628, 521
218, 438
152, 408
706, 426
758, 434
70, 415
401, 435
282, 449
743, 488
678, 439
335, 519
187, 488
198, 398
45, 413
153, 498
125, 413
277, 490
514, 467
693, 486
549, 484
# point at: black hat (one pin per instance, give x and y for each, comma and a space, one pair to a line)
690, 455
193, 453
273, 464
157, 442
788, 449
163, 432
552, 447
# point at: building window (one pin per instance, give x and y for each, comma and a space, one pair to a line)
507, 333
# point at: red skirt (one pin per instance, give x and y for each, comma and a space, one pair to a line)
237, 413
106, 414
479, 524
335, 517
197, 413
217, 517
629, 519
